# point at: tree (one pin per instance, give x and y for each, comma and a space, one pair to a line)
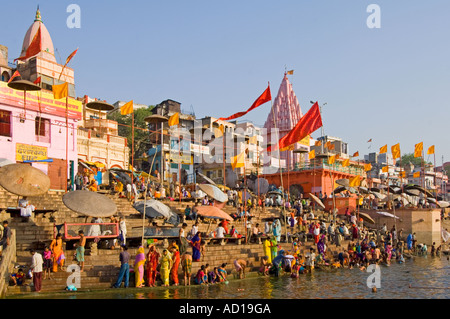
141, 140
416, 161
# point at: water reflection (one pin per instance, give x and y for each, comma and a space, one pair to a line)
416, 278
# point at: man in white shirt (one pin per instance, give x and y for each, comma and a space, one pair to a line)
36, 268
220, 231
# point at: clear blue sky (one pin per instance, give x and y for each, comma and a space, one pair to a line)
389, 84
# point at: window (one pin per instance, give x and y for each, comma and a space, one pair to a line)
42, 129
5, 123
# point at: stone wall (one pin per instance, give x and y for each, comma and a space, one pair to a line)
426, 223
7, 264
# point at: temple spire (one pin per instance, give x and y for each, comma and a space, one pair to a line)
38, 15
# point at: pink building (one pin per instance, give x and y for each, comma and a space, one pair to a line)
37, 130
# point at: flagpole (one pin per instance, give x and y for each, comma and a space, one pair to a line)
179, 156
132, 142
67, 140
223, 158
145, 198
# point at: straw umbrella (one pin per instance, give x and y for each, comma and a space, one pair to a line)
24, 180
24, 85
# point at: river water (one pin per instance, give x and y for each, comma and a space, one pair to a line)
420, 277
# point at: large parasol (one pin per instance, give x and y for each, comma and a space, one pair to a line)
366, 218
213, 212
89, 203
317, 200
24, 85
213, 192
24, 180
154, 209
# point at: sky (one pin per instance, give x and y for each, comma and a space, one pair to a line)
389, 84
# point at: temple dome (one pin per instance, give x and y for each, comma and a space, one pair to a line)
47, 52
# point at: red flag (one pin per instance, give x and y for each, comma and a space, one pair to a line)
38, 80
310, 122
263, 98
67, 61
71, 56
34, 48
15, 74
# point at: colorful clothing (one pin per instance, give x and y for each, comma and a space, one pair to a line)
267, 250
152, 264
273, 248
79, 254
196, 245
139, 262
186, 263
58, 254
174, 270
165, 268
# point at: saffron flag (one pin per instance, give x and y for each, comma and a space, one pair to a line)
418, 148
416, 175
402, 174
15, 74
383, 149
312, 154
356, 154
263, 98
329, 145
367, 167
396, 151
346, 163
430, 150
318, 143
331, 160
369, 141
34, 48
174, 119
310, 122
60, 91
290, 72
288, 148
385, 169
38, 80
355, 182
238, 161
127, 108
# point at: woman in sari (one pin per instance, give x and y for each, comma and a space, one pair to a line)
267, 252
58, 254
152, 263
196, 245
139, 262
176, 264
321, 247
165, 266
277, 229
273, 248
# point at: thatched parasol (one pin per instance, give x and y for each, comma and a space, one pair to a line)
366, 218
343, 182
213, 212
214, 192
89, 203
24, 180
317, 200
